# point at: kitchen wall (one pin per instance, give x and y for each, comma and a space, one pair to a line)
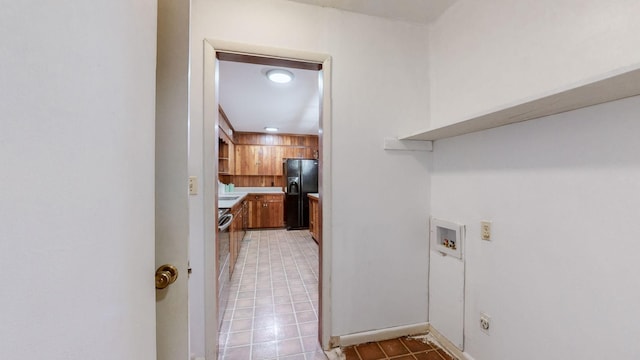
559, 276
489, 54
380, 199
282, 146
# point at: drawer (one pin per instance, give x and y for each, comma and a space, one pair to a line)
266, 197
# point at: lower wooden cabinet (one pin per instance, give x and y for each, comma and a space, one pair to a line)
314, 218
266, 211
236, 233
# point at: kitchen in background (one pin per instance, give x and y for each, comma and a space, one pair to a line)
254, 162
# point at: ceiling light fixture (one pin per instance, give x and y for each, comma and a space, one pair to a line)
280, 76
271, 129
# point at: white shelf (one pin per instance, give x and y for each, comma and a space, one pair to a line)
614, 85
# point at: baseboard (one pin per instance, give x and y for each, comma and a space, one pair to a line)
383, 334
446, 344
399, 331
467, 356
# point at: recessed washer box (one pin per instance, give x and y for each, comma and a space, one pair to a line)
447, 237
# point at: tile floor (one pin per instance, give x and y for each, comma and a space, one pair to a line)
396, 349
273, 299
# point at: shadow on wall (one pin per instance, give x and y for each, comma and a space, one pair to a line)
600, 136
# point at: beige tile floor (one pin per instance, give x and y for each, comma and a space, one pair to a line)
273, 301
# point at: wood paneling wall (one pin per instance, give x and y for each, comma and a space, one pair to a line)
276, 139
287, 146
256, 181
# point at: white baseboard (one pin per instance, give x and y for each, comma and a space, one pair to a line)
399, 331
446, 344
383, 334
466, 355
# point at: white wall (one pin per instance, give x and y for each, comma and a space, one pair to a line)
380, 199
77, 99
487, 54
561, 192
560, 276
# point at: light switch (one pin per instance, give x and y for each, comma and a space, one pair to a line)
193, 185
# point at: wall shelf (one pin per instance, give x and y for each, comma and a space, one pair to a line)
614, 85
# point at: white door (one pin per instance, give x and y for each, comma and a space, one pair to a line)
446, 282
172, 218
77, 179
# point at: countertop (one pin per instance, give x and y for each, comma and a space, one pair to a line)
314, 195
241, 192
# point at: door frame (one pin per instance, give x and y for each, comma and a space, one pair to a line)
210, 183
171, 171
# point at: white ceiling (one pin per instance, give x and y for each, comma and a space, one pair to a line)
420, 11
252, 102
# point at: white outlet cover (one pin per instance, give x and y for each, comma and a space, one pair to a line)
487, 318
193, 185
484, 224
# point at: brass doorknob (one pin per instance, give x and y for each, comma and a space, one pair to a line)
166, 275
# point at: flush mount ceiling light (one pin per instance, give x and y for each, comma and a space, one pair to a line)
280, 76
271, 129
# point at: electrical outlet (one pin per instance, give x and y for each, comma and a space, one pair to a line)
485, 230
485, 323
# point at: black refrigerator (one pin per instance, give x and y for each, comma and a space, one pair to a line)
301, 176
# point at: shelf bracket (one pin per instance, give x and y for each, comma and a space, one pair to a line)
407, 145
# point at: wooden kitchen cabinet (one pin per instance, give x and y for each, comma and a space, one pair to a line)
314, 218
294, 152
226, 154
236, 233
265, 211
258, 160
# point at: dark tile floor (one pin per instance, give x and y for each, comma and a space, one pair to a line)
396, 349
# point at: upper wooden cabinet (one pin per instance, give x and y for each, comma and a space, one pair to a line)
258, 160
226, 154
252, 154
291, 152
266, 160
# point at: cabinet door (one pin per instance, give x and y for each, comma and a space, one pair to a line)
233, 252
265, 211
275, 209
232, 156
313, 218
255, 211
239, 223
292, 152
272, 211
247, 159
258, 160
270, 160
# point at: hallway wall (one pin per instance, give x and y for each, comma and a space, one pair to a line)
561, 192
560, 274
489, 54
380, 199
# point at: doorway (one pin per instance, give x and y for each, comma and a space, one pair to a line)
210, 184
